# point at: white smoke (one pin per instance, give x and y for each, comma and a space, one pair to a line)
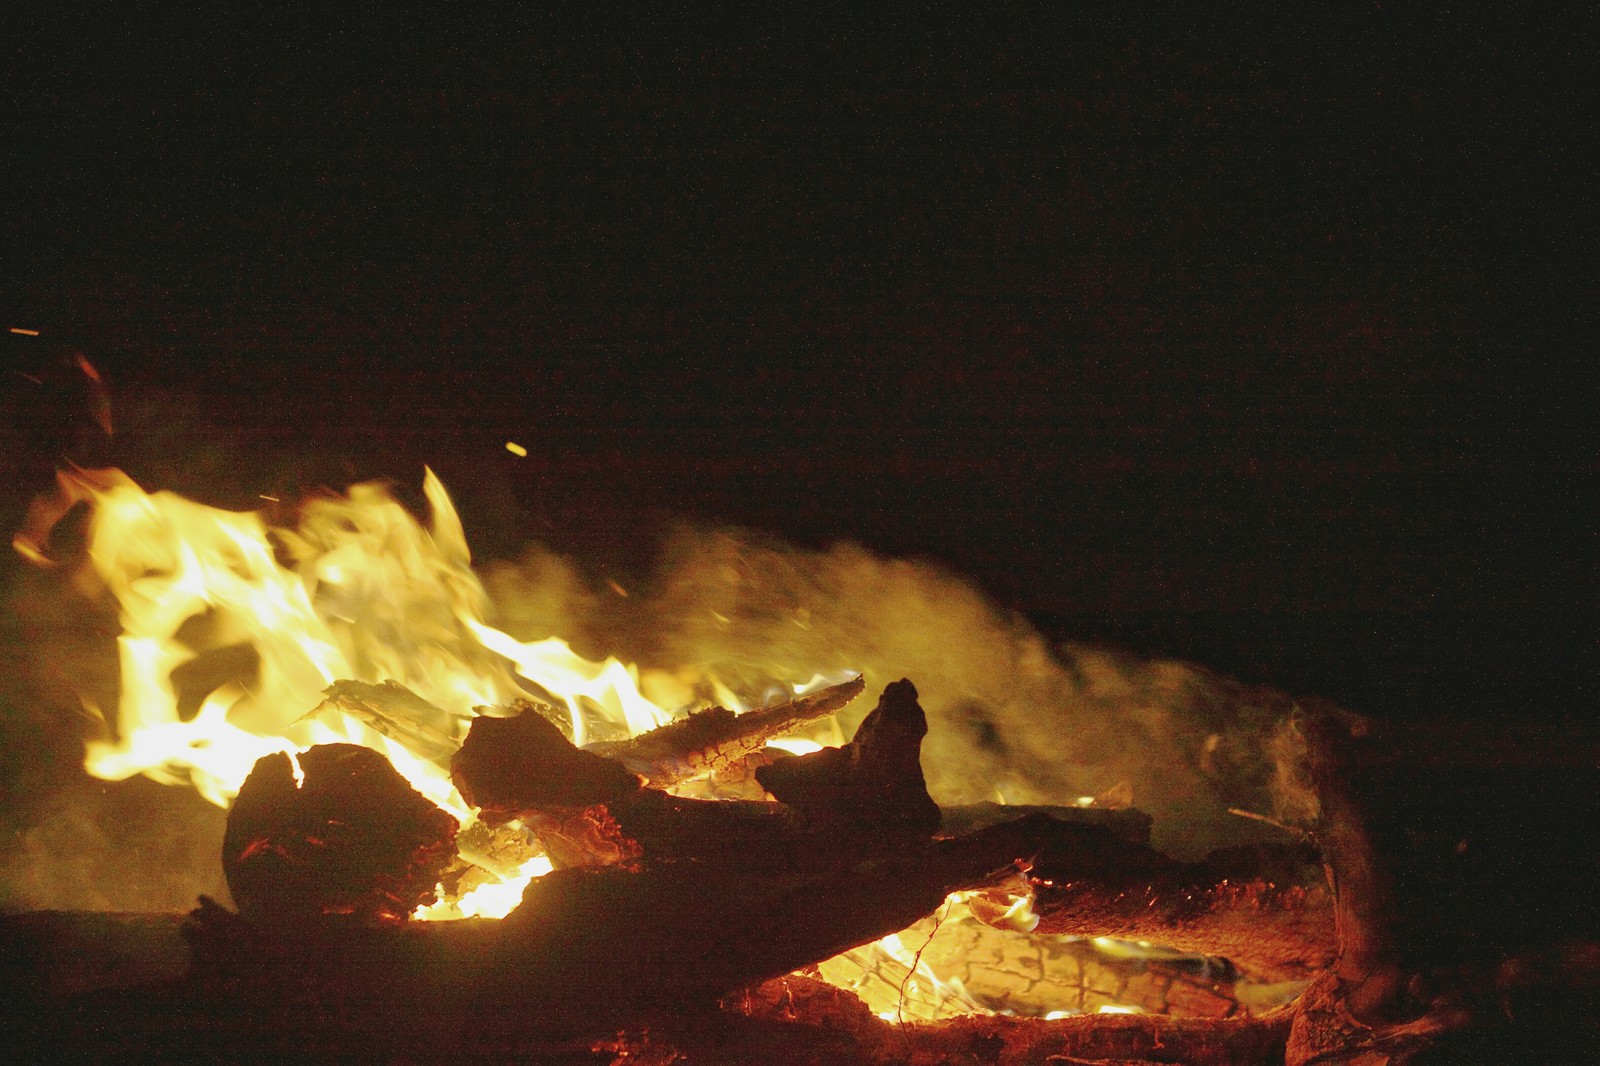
1013, 717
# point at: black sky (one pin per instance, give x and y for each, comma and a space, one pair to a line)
1258, 342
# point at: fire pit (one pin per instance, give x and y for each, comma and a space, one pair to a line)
444, 841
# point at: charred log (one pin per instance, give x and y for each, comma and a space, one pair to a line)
1268, 910
1125, 823
873, 782
749, 922
397, 713
716, 740
520, 761
782, 1011
335, 832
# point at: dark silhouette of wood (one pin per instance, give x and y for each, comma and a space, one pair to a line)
872, 783
335, 832
519, 760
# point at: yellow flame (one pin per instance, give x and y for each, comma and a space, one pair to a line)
493, 899
357, 589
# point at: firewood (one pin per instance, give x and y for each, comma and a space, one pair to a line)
716, 739
691, 931
874, 782
1454, 888
747, 923
516, 760
49, 955
1126, 823
1267, 910
336, 831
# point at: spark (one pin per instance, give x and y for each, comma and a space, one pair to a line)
24, 332
516, 449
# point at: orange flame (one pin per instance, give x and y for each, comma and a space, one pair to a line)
357, 590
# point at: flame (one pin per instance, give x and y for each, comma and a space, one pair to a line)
357, 589
891, 978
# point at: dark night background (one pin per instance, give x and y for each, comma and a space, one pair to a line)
1256, 343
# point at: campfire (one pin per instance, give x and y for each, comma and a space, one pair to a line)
446, 842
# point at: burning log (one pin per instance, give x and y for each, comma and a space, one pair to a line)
1268, 910
590, 810
848, 857
745, 923
873, 783
336, 831
717, 740
397, 713
654, 942
520, 761
1125, 823
797, 1011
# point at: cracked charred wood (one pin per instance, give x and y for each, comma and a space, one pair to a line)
588, 947
714, 740
674, 932
794, 1011
1093, 1040
521, 761
748, 923
336, 832
874, 782
588, 810
1266, 909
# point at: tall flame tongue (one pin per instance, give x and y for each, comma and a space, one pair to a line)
356, 590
